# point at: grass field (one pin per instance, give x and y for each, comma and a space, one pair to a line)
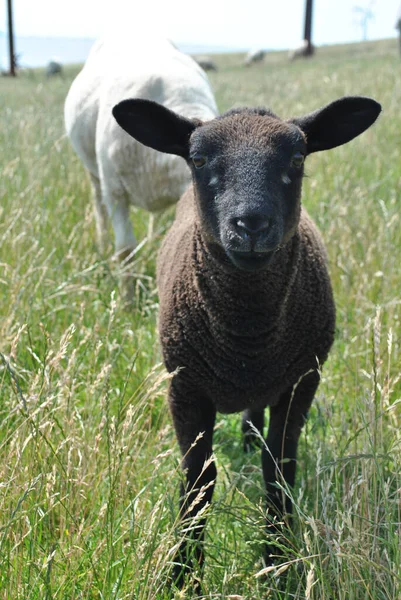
89, 466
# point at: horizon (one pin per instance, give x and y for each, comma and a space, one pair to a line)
36, 50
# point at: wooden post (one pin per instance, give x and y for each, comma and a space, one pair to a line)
398, 27
308, 27
11, 38
399, 34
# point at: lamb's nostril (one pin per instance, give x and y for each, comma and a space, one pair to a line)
252, 225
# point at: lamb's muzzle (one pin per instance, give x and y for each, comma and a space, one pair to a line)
251, 240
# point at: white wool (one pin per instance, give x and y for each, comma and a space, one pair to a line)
124, 172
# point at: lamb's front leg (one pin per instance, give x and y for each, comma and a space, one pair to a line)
194, 417
280, 453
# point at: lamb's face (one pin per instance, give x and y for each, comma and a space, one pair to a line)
247, 169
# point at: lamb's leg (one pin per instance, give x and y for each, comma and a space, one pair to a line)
101, 217
279, 458
250, 437
194, 417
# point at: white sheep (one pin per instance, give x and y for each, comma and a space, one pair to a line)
254, 56
123, 171
303, 50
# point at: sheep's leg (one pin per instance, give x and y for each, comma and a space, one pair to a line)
101, 216
280, 452
124, 239
194, 419
151, 226
250, 437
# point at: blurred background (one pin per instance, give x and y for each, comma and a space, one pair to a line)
45, 29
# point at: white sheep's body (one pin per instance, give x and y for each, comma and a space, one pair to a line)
254, 56
123, 171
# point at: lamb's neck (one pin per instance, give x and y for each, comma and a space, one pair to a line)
246, 303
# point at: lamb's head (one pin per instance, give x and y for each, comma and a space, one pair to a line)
247, 166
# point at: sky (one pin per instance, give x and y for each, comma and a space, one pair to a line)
275, 24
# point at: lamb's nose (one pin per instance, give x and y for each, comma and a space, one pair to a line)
252, 226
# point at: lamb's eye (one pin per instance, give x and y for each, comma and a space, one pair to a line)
298, 159
199, 160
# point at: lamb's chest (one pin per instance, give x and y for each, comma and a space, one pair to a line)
233, 376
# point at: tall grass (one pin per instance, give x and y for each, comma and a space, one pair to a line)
89, 465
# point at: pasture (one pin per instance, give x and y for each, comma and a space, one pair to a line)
89, 465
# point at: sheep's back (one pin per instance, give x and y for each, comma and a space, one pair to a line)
117, 69
173, 80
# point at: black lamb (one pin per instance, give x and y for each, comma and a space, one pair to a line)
247, 315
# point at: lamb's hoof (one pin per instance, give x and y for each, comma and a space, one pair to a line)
178, 576
183, 575
275, 556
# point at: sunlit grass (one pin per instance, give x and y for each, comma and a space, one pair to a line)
89, 465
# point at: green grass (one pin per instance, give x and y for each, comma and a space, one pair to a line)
89, 466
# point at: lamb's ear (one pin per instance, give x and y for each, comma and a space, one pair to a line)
338, 122
155, 126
